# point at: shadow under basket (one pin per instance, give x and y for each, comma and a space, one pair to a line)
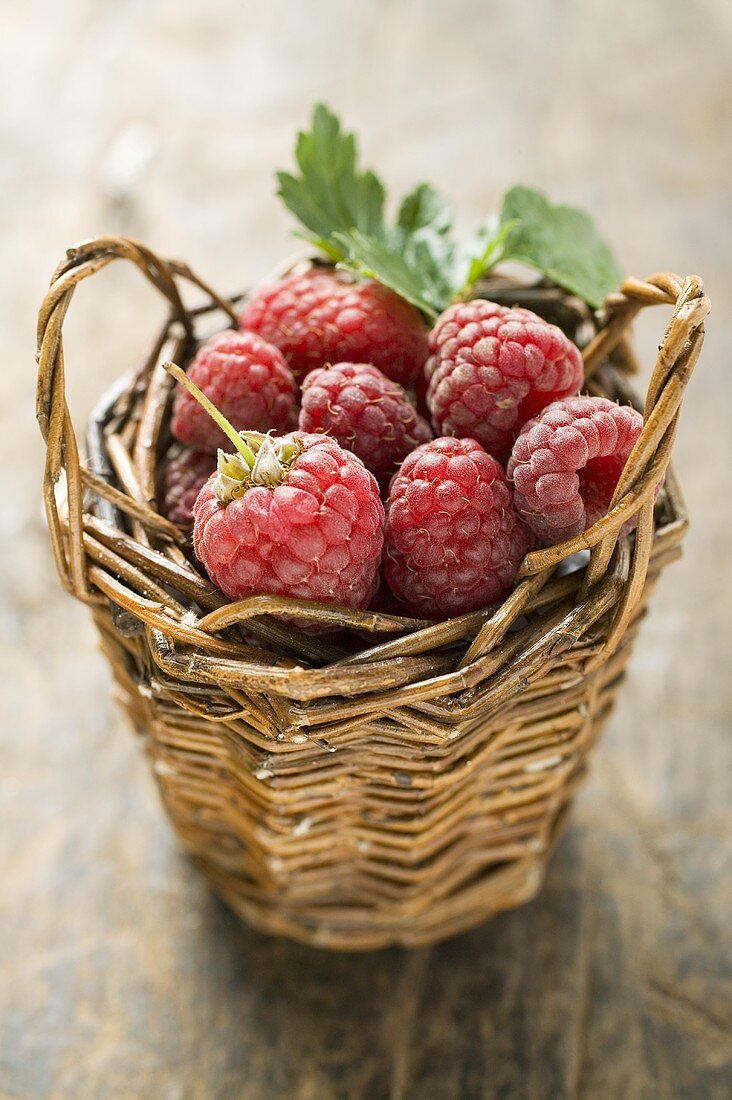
390, 781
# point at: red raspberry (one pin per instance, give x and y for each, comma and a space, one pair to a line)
453, 540
566, 463
306, 521
366, 412
491, 368
183, 476
249, 382
322, 317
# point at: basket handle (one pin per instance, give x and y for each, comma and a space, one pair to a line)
52, 412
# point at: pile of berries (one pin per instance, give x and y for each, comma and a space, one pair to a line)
305, 469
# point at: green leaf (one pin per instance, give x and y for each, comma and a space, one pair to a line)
560, 241
413, 273
330, 194
424, 208
437, 259
341, 207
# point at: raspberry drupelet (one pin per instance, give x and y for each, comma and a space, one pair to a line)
183, 476
247, 379
566, 464
323, 317
453, 542
292, 516
365, 412
491, 368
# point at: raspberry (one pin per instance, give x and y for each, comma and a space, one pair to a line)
183, 476
566, 463
249, 382
365, 412
305, 521
453, 540
492, 368
321, 317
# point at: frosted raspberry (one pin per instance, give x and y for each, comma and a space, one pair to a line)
247, 379
305, 521
322, 317
566, 463
453, 542
184, 473
492, 368
366, 412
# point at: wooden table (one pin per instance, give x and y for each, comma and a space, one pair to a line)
120, 976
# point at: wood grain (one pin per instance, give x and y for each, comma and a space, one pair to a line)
120, 975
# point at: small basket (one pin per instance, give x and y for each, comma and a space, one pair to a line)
392, 781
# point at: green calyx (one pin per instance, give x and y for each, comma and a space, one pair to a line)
259, 459
342, 210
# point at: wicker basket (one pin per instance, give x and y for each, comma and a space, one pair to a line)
392, 781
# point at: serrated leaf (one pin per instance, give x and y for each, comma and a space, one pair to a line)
330, 194
413, 275
424, 208
342, 208
434, 258
560, 241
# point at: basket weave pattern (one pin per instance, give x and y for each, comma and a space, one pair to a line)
397, 781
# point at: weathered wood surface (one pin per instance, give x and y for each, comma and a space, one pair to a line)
120, 975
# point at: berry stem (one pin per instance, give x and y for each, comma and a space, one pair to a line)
242, 447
